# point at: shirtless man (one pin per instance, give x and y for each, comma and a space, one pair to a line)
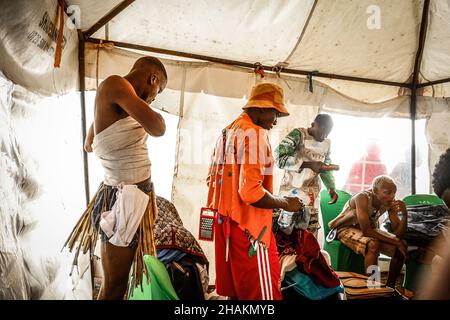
357, 226
117, 98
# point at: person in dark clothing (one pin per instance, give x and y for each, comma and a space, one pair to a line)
436, 286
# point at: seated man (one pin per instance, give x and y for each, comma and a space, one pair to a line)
357, 226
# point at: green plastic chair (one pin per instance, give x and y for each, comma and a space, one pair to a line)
416, 199
160, 286
342, 257
413, 268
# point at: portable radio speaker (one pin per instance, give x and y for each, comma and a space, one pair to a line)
206, 225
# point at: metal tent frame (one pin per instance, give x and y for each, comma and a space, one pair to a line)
413, 85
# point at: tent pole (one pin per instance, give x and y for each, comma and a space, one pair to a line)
244, 64
431, 83
82, 71
415, 82
413, 111
82, 75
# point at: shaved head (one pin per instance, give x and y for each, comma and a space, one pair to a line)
151, 64
324, 120
148, 77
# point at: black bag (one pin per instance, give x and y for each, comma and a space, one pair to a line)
185, 278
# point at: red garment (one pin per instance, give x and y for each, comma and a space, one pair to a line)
311, 260
365, 170
244, 277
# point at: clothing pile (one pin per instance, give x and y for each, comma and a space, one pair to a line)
425, 222
182, 255
311, 277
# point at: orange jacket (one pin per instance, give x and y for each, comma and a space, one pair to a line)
244, 176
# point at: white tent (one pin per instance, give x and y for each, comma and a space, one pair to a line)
363, 58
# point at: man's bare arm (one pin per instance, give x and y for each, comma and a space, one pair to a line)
269, 201
398, 226
89, 139
315, 166
362, 215
124, 95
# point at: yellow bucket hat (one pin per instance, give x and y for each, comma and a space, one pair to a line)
267, 95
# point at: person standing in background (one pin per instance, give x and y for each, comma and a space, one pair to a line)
240, 183
303, 154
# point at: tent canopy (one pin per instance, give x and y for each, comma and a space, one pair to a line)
376, 41
366, 39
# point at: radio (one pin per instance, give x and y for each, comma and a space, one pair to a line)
206, 225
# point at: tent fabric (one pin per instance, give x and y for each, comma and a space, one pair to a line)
437, 131
381, 36
249, 31
268, 31
93, 12
225, 81
11, 258
441, 90
436, 52
331, 37
38, 193
367, 39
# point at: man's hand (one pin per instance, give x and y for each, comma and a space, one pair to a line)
334, 196
89, 139
398, 226
315, 166
123, 94
398, 206
87, 147
293, 204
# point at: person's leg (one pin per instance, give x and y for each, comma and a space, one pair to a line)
116, 263
397, 260
256, 277
275, 269
371, 257
224, 280
354, 239
395, 267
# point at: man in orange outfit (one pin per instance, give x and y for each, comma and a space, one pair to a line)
240, 189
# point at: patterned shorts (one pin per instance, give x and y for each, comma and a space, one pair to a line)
355, 240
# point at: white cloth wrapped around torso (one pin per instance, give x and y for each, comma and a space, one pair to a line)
122, 150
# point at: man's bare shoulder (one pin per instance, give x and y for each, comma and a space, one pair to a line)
110, 95
360, 199
115, 83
